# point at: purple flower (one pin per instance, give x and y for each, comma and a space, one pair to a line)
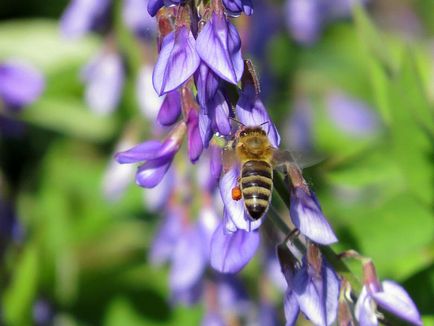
304, 19
104, 78
20, 85
313, 288
236, 7
230, 252
307, 216
267, 315
352, 116
170, 109
137, 18
252, 112
219, 109
219, 46
391, 297
195, 146
148, 99
157, 155
82, 16
232, 296
317, 293
43, 313
177, 60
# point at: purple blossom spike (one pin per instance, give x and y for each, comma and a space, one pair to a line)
299, 131
230, 252
195, 146
207, 83
137, 18
148, 99
317, 293
236, 7
252, 112
104, 78
219, 46
177, 60
232, 295
82, 16
20, 85
157, 155
352, 116
170, 109
207, 224
307, 216
234, 209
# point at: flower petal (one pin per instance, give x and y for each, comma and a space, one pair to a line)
291, 308
307, 216
165, 240
195, 145
152, 172
213, 319
230, 252
219, 46
177, 61
317, 295
205, 128
149, 101
170, 109
20, 85
352, 116
365, 309
104, 78
145, 151
81, 16
154, 6
395, 299
252, 112
219, 108
207, 84
137, 19
188, 261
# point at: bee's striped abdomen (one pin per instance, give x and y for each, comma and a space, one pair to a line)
256, 186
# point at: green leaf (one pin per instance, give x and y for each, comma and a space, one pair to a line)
40, 42
71, 117
20, 295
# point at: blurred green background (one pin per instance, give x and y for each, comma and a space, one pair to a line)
86, 256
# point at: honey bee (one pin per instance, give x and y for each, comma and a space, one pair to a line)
252, 149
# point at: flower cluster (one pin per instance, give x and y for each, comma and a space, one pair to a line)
199, 69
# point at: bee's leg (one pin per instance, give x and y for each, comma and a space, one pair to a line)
292, 235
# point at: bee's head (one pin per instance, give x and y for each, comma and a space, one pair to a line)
247, 131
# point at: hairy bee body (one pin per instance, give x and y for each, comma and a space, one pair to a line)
255, 153
256, 187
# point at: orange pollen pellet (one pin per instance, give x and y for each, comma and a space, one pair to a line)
236, 193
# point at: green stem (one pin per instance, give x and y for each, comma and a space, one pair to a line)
332, 258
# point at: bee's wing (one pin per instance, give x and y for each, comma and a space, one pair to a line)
301, 159
229, 157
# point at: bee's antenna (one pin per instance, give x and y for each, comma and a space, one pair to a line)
239, 122
264, 123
